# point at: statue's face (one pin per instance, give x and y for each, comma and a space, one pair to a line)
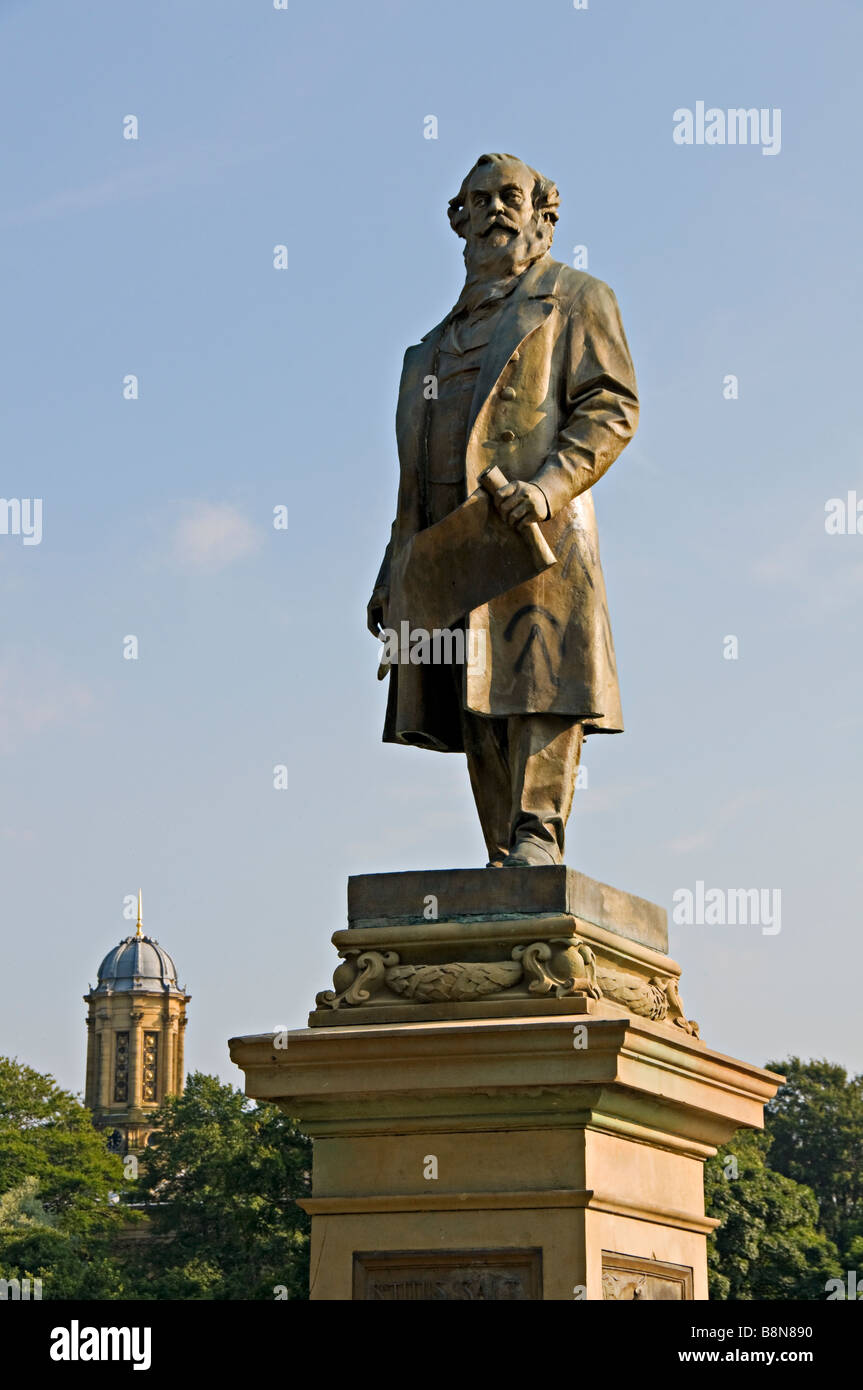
499, 203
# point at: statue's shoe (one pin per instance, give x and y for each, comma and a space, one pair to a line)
528, 854
494, 864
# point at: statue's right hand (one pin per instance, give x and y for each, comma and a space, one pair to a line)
376, 612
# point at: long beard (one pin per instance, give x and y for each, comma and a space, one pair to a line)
484, 261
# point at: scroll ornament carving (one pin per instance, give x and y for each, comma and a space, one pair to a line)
675, 1008
357, 979
564, 967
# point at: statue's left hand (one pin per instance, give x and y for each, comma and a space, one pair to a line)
521, 503
376, 612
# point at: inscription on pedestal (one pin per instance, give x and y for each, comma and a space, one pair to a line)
458, 1275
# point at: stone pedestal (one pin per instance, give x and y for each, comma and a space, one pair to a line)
506, 1097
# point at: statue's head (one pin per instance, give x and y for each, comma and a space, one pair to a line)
506, 213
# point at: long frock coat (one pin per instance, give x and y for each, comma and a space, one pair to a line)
555, 402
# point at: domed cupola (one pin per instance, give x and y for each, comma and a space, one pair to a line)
136, 1020
138, 963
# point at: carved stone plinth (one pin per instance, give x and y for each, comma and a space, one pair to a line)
478, 943
507, 1101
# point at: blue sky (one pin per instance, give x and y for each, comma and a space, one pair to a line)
260, 387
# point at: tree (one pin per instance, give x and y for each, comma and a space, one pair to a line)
768, 1245
223, 1174
57, 1215
815, 1123
21, 1210
46, 1133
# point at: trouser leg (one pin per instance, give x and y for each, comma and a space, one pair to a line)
544, 752
490, 778
485, 746
522, 773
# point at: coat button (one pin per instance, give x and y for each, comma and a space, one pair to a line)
507, 436
515, 357
507, 394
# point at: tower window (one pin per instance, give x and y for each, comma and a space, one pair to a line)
151, 1065
121, 1069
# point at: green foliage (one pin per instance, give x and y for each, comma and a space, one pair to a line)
225, 1174
768, 1245
70, 1265
219, 1185
816, 1127
793, 1216
56, 1219
47, 1134
20, 1208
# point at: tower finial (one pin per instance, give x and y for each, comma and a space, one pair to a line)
138, 931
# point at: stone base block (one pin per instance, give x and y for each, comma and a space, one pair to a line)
552, 1157
506, 1097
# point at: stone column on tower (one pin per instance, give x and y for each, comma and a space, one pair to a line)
103, 1034
180, 1073
136, 1050
90, 1076
170, 1036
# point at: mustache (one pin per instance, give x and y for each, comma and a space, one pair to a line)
498, 222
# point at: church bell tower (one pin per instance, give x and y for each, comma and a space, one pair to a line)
136, 1019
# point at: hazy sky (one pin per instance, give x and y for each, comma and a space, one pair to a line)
260, 387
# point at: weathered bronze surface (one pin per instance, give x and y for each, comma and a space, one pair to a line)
529, 373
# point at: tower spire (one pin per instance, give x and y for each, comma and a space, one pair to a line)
138, 931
